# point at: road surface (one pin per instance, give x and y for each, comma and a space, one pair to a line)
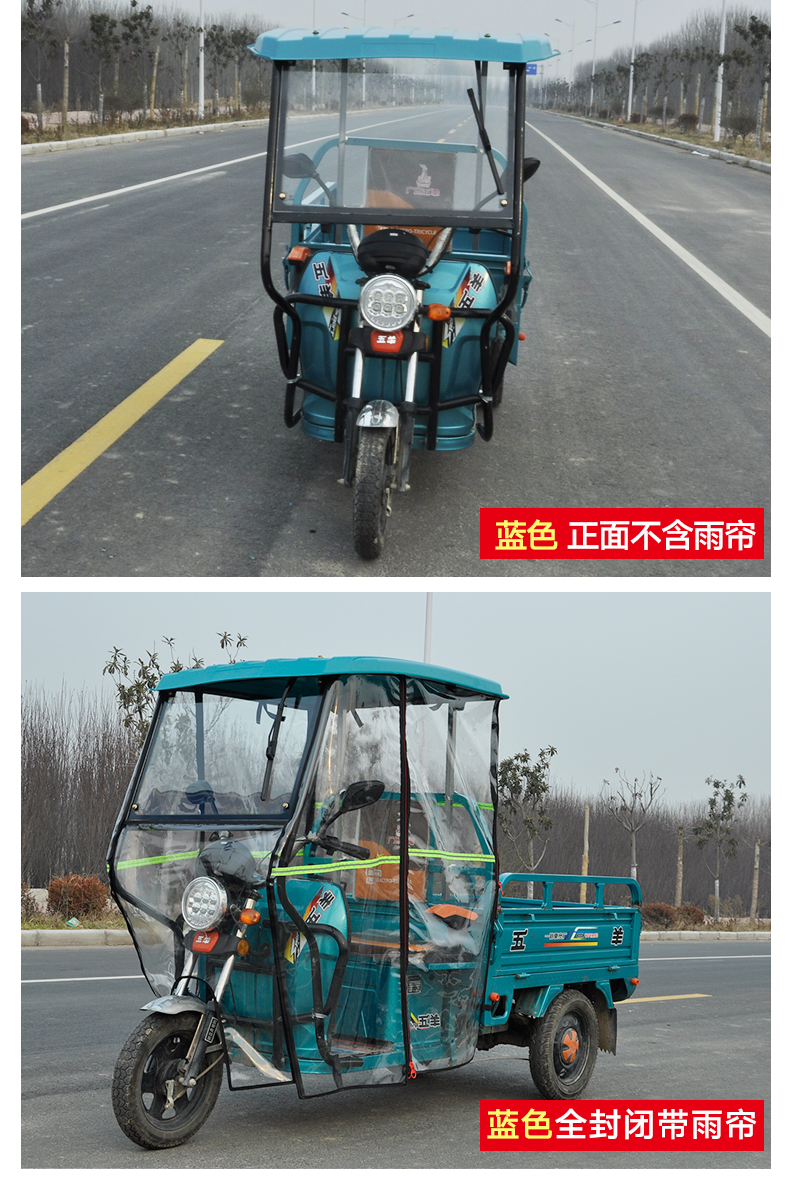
641, 383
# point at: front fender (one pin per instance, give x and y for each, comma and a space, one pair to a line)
174, 1004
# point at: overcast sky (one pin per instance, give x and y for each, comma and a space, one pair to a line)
654, 18
674, 684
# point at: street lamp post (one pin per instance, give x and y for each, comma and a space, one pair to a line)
201, 67
363, 20
594, 41
720, 74
631, 69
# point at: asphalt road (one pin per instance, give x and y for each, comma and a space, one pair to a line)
638, 385
78, 1005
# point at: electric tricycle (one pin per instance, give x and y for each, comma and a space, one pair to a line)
397, 159
306, 861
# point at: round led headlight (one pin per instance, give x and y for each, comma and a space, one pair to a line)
387, 302
204, 903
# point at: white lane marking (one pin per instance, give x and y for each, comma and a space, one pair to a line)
57, 980
746, 956
217, 166
724, 289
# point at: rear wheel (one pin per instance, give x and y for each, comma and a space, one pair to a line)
151, 1107
564, 1046
372, 486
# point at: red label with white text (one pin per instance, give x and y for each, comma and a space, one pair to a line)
622, 533
538, 1125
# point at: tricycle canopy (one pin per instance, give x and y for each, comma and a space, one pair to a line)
355, 797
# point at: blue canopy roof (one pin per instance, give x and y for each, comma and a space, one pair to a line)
233, 676
289, 44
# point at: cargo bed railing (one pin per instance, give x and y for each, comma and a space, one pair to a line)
548, 881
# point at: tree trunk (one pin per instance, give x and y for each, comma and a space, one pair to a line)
184, 98
65, 100
696, 98
679, 874
39, 108
153, 82
236, 85
633, 855
756, 880
585, 854
762, 115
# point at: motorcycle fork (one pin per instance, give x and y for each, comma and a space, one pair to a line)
208, 1026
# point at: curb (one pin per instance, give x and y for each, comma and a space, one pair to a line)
78, 143
114, 939
76, 939
702, 151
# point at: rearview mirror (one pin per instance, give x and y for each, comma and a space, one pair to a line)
530, 166
358, 795
298, 166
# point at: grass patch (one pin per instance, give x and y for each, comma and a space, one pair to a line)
111, 921
76, 131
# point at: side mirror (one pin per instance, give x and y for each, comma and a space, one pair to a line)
358, 795
530, 166
298, 166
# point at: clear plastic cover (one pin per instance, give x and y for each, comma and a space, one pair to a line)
452, 863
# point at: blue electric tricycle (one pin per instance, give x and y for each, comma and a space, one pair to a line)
306, 860
397, 159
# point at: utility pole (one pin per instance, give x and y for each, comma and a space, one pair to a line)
426, 656
679, 874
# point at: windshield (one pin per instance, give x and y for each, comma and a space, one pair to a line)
397, 134
214, 756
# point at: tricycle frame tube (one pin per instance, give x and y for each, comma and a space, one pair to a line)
353, 408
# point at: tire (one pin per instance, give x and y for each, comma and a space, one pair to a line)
148, 1059
372, 490
564, 1046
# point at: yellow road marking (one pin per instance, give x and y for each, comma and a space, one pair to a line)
63, 469
671, 997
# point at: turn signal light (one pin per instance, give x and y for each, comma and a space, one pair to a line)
438, 312
522, 336
250, 917
633, 980
494, 997
300, 253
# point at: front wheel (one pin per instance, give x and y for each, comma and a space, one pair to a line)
564, 1046
151, 1107
372, 485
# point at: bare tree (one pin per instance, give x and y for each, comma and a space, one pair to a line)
629, 804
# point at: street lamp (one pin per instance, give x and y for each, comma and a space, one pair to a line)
595, 36
631, 71
354, 17
201, 71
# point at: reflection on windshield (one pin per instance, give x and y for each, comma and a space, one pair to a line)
429, 155
209, 759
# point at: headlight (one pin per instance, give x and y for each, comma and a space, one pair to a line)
204, 903
388, 302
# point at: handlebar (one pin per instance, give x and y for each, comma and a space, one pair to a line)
330, 841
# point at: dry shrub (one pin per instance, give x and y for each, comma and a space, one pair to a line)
658, 916
29, 908
76, 895
690, 916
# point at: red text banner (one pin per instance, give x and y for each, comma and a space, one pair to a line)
622, 533
537, 1125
